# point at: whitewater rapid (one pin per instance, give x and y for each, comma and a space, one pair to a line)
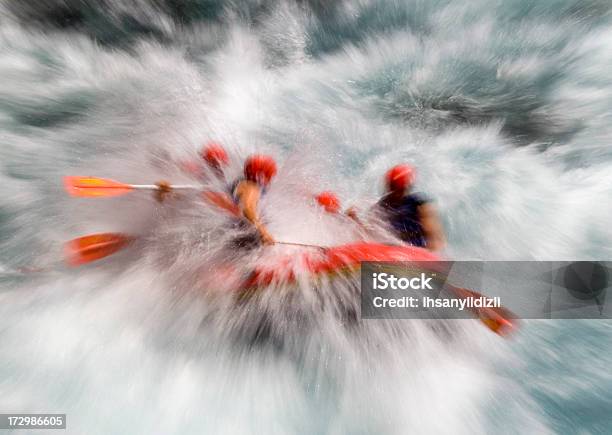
504, 109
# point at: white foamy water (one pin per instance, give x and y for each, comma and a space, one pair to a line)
505, 112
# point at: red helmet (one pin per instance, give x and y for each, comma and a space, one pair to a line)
260, 169
329, 201
215, 155
400, 177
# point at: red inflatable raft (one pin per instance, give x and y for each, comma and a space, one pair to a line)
347, 258
332, 260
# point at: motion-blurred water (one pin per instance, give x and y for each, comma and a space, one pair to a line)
504, 107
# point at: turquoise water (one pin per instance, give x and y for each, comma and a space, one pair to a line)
504, 107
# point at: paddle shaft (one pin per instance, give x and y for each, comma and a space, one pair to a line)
156, 187
303, 245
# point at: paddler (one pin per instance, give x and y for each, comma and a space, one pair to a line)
411, 215
331, 204
246, 192
329, 201
214, 157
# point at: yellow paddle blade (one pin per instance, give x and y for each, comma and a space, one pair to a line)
90, 187
86, 249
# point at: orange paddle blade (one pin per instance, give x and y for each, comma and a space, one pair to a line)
86, 249
223, 201
95, 187
497, 319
